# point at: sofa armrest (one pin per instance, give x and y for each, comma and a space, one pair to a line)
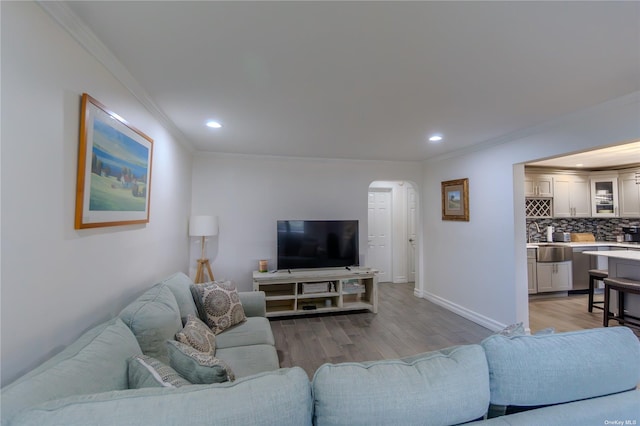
254, 303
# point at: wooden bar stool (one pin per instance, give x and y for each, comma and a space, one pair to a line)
622, 286
595, 275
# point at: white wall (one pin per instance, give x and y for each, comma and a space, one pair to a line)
249, 194
478, 268
57, 281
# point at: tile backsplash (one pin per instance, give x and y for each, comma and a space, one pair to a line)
602, 229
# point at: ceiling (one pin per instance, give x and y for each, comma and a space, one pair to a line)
605, 158
367, 80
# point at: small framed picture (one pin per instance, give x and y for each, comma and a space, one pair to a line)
455, 200
114, 169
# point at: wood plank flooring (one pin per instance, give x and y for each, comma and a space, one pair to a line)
566, 314
563, 313
406, 325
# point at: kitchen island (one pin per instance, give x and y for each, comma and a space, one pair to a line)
622, 264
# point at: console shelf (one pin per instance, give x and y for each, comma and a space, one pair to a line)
304, 292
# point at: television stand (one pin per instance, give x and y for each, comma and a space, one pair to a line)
313, 291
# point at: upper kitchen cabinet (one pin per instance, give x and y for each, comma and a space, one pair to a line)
604, 196
630, 193
538, 185
571, 196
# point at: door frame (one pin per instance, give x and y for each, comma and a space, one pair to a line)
399, 242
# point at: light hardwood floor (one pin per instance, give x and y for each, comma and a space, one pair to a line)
563, 313
405, 325
566, 314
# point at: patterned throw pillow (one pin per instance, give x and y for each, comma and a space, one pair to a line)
513, 330
198, 367
218, 304
197, 335
145, 372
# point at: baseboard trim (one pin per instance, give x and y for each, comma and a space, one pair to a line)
462, 311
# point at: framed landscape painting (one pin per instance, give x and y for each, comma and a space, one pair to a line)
114, 169
455, 200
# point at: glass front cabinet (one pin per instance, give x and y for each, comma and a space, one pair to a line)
604, 196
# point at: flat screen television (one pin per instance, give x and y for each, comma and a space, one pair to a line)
307, 244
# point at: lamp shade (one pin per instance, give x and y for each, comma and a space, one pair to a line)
203, 226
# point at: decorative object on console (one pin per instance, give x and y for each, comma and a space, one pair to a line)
114, 169
203, 226
263, 265
455, 200
218, 305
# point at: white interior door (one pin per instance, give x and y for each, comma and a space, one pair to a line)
411, 233
379, 238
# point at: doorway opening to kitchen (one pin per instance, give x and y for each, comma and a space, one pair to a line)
583, 201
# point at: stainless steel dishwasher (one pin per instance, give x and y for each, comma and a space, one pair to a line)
581, 264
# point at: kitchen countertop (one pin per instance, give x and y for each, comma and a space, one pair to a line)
589, 244
617, 254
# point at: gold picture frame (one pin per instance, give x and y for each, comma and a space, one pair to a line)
114, 169
455, 200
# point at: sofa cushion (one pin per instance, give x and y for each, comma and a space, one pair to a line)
197, 335
254, 331
562, 367
248, 360
197, 367
180, 284
148, 372
153, 317
218, 304
253, 303
439, 388
618, 409
95, 362
276, 398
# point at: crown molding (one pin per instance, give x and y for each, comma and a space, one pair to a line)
69, 21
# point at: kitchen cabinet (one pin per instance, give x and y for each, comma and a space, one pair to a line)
531, 271
538, 185
604, 196
629, 201
571, 196
554, 276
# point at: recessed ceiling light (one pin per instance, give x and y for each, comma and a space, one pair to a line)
435, 138
213, 124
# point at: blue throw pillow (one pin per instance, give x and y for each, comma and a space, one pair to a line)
197, 367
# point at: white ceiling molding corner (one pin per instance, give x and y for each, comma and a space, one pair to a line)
69, 21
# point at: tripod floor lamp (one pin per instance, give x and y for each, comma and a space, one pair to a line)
203, 226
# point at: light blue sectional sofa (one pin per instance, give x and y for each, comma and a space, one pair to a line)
581, 378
